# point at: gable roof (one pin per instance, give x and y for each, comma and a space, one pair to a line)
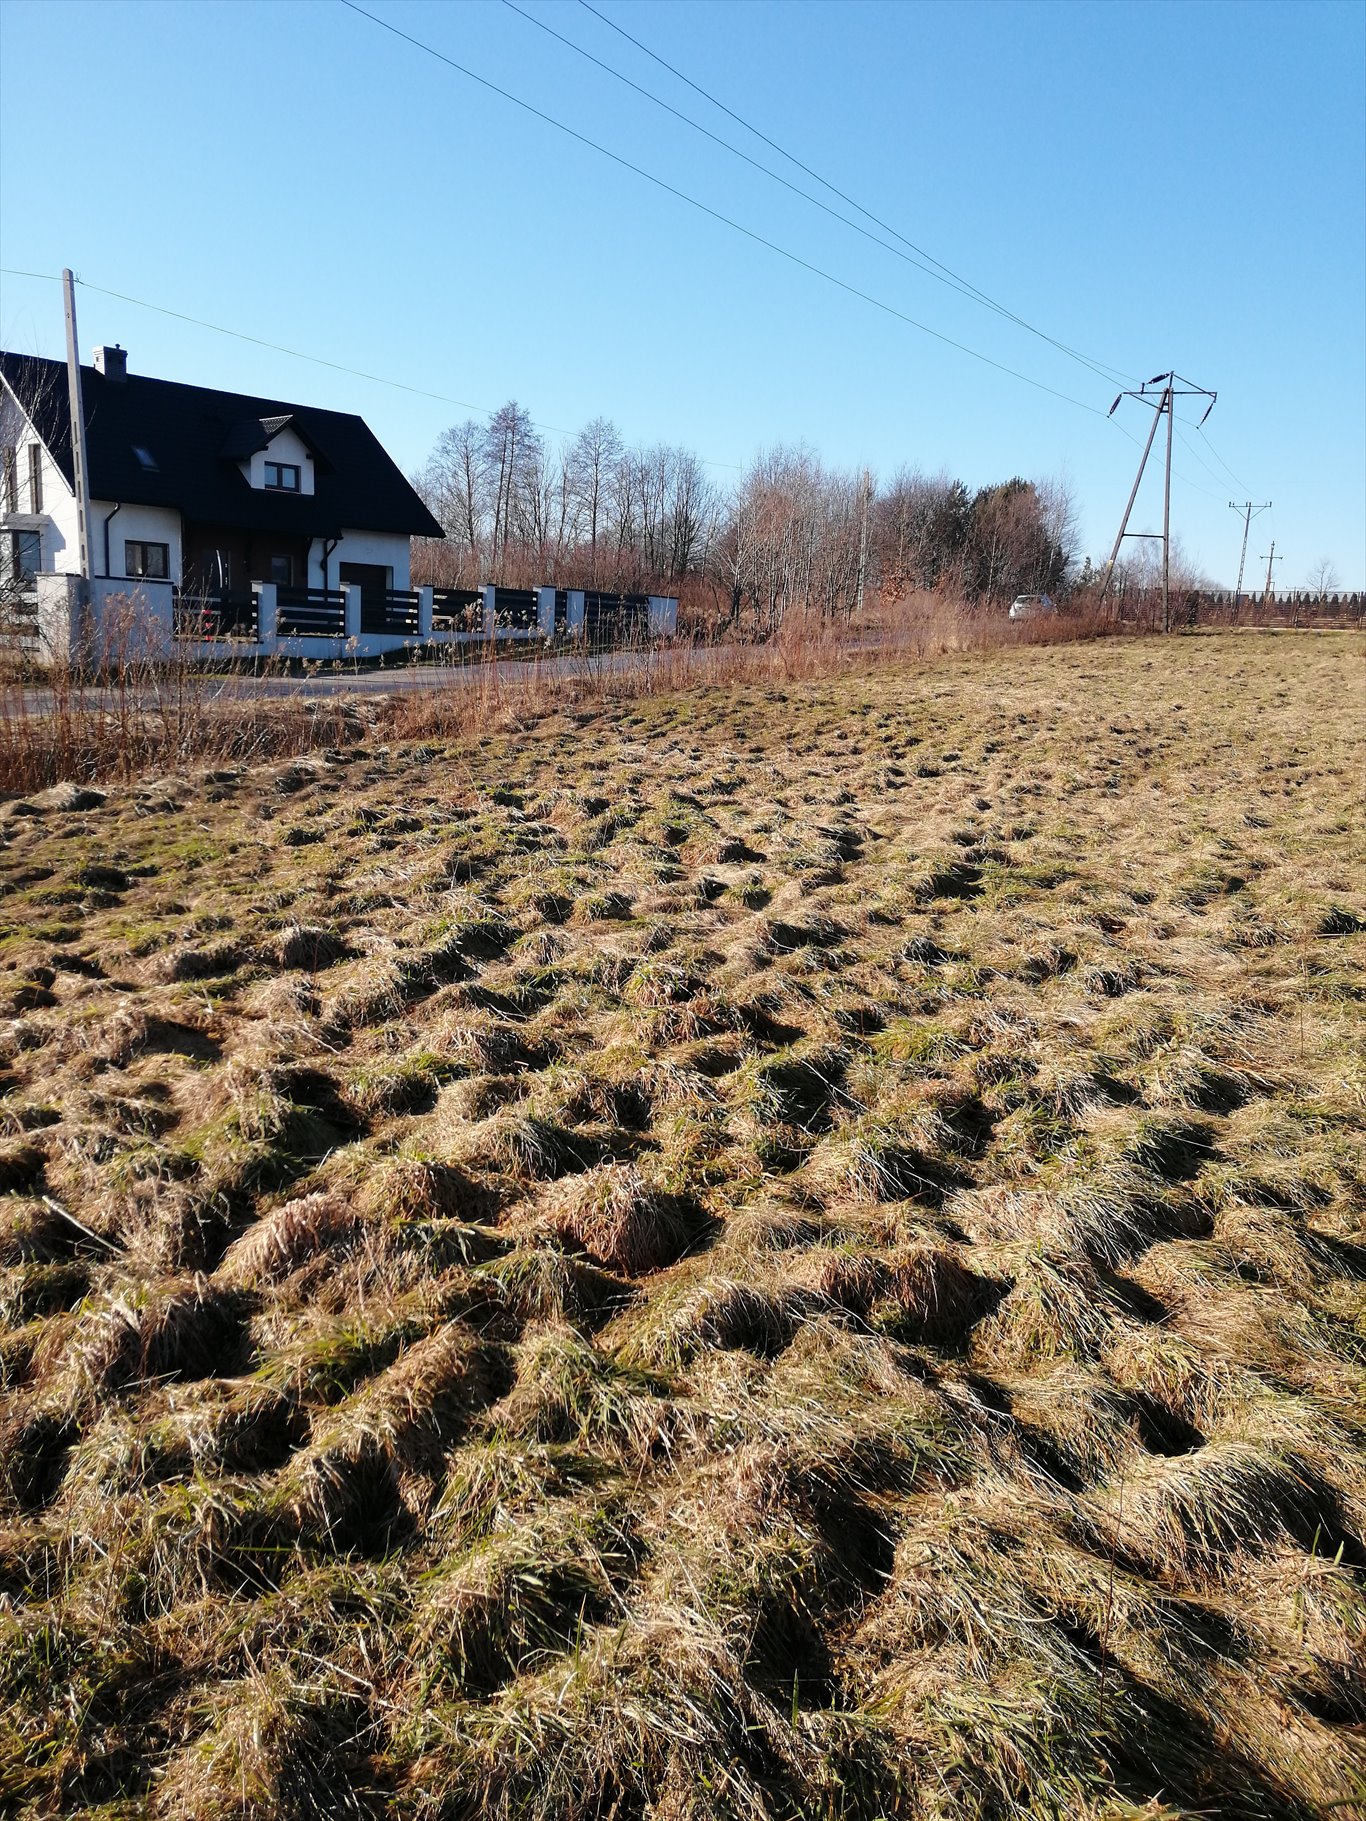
196, 437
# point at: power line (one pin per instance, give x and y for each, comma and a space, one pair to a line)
259, 341
942, 276
1219, 458
1185, 479
715, 214
1203, 463
834, 189
399, 385
316, 360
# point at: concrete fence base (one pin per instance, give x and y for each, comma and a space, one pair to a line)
111, 623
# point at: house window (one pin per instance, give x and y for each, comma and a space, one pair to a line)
35, 478
10, 458
25, 555
282, 477
282, 571
150, 560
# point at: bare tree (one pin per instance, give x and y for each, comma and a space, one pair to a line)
791, 536
794, 539
691, 512
593, 459
453, 483
511, 454
919, 527
1323, 577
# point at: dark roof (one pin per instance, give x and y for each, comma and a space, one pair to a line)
196, 437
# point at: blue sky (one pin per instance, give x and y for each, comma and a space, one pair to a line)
1153, 184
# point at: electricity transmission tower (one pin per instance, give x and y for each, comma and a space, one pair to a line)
1249, 512
1273, 558
1161, 404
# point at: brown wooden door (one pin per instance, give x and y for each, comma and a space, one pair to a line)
372, 579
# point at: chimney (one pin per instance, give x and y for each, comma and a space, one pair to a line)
112, 363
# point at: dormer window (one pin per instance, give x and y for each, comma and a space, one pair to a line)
282, 477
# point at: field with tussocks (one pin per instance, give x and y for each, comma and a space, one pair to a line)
756, 1255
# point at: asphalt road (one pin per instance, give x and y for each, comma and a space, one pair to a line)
223, 691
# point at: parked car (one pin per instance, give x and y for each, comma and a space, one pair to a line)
1032, 606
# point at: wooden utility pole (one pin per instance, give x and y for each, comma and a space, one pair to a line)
865, 494
1249, 511
78, 465
1272, 558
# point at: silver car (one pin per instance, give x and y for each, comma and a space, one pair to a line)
1032, 606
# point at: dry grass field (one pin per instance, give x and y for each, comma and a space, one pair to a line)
757, 1254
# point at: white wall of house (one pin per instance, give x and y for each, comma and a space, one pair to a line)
55, 522
58, 530
385, 547
285, 446
142, 524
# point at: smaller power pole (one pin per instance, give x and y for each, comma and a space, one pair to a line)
1249, 512
1273, 558
73, 377
865, 494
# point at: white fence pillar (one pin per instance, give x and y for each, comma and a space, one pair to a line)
573, 618
267, 606
490, 609
424, 613
60, 614
352, 592
131, 620
545, 612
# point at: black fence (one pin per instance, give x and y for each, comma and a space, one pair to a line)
458, 610
310, 613
219, 613
392, 611
615, 616
515, 610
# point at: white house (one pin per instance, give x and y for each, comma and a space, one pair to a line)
217, 517
196, 490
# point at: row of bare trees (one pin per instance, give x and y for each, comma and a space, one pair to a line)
592, 511
791, 536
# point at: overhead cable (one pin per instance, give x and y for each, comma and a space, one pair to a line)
957, 279
941, 276
715, 214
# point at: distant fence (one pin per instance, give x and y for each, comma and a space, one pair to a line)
1204, 607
